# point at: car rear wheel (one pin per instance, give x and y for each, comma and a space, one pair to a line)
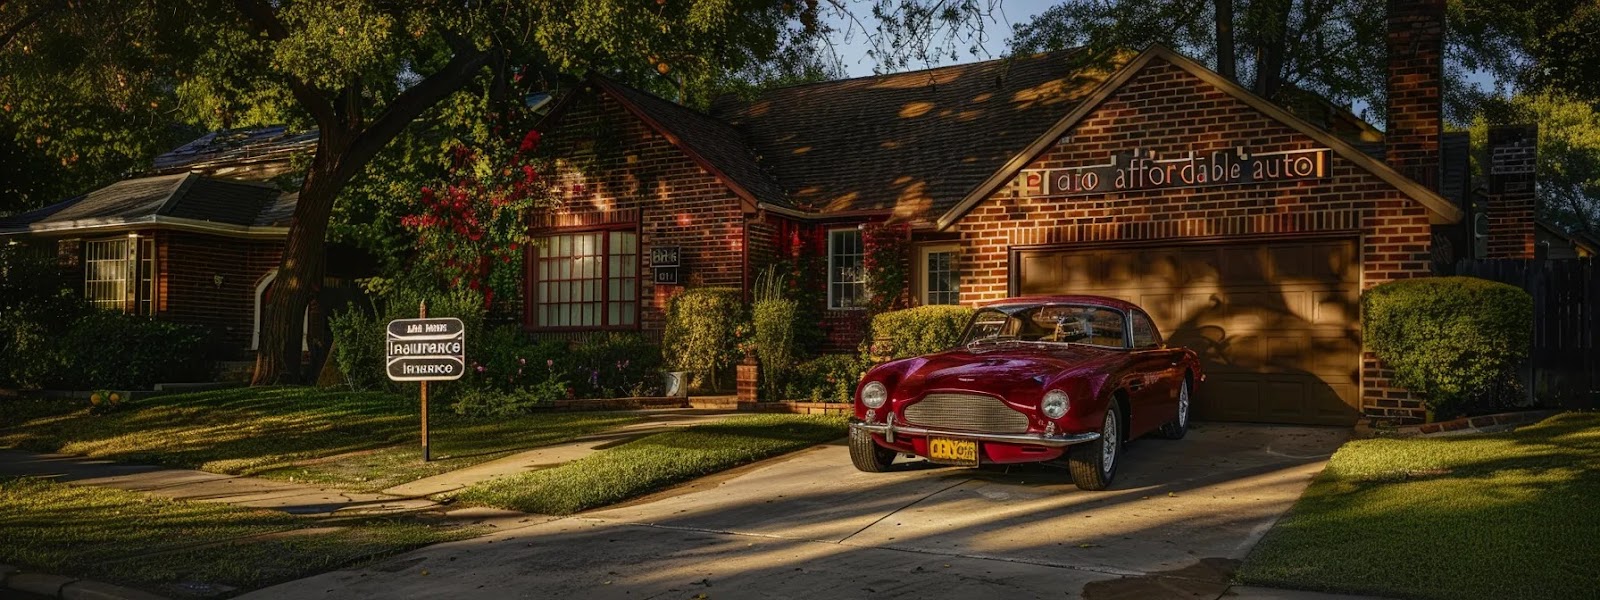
867, 455
1179, 425
1094, 464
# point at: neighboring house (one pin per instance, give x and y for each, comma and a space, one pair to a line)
198, 242
1247, 231
1556, 243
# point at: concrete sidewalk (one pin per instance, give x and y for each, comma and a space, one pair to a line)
545, 457
202, 486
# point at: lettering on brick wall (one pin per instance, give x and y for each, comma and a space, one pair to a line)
1136, 171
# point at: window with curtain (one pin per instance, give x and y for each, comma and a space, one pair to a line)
847, 281
587, 280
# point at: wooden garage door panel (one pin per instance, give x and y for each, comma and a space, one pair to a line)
1275, 324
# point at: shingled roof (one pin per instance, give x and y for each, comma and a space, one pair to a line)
914, 143
185, 200
716, 144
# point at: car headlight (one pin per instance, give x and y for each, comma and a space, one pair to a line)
1055, 404
874, 395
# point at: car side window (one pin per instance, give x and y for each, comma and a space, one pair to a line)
1144, 332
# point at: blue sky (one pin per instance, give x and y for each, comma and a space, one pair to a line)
852, 49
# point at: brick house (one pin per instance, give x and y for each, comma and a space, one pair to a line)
1246, 228
197, 240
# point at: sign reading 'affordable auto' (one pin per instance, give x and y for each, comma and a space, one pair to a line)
426, 349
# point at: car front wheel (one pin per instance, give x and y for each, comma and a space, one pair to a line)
1094, 464
867, 455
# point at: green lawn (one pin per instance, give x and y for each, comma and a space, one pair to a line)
147, 542
654, 462
1486, 516
354, 440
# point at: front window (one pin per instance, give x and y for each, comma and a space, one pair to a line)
1049, 324
941, 283
588, 279
847, 278
119, 274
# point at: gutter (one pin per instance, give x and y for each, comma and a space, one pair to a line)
175, 223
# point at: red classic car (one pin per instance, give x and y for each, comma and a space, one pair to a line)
1044, 379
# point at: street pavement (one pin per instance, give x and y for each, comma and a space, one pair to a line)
1180, 517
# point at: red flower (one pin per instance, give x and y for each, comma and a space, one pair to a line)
530, 141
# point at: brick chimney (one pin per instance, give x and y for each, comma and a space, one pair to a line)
1416, 77
1512, 154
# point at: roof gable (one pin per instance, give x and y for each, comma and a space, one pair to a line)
712, 144
909, 144
1440, 209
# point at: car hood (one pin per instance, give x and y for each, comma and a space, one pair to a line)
1004, 365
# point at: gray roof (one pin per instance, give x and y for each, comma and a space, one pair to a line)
182, 200
236, 147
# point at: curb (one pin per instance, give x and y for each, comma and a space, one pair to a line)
67, 588
1496, 423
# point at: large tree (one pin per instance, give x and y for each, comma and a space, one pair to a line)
360, 72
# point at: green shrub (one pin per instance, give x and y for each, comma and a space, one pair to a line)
828, 378
1448, 338
358, 339
776, 320
615, 365
118, 351
489, 402
37, 306
699, 334
506, 358
920, 330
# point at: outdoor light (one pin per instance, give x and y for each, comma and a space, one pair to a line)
1055, 404
874, 395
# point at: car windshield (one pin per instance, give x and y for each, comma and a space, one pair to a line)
1048, 324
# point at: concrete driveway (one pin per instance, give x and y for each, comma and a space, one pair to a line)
808, 525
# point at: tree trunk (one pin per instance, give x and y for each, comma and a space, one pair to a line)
1227, 66
301, 268
1273, 43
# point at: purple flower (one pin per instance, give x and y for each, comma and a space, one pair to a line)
550, 364
522, 361
481, 369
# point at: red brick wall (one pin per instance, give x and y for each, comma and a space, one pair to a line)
1167, 110
1512, 153
613, 168
1415, 85
188, 292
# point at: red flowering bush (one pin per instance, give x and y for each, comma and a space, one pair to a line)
471, 227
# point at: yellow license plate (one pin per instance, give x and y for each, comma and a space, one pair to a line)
953, 452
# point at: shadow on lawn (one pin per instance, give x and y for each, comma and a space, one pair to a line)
1507, 515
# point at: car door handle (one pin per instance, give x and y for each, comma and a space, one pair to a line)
1136, 384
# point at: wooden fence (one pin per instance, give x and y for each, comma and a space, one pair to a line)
1566, 329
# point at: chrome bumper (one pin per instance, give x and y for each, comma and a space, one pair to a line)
889, 430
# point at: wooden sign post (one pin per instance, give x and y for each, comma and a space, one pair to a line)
424, 350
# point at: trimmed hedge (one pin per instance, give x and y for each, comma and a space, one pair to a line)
1448, 338
921, 330
699, 335
827, 378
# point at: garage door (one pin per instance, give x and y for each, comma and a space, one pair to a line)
1276, 324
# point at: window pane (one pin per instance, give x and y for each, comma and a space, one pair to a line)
846, 277
941, 283
105, 272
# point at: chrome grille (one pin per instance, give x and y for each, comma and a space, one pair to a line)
967, 412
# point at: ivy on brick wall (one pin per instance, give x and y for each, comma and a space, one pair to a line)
888, 266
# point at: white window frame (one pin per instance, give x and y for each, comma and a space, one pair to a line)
832, 304
923, 277
139, 278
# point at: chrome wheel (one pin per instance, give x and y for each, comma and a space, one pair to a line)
1108, 449
1183, 405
